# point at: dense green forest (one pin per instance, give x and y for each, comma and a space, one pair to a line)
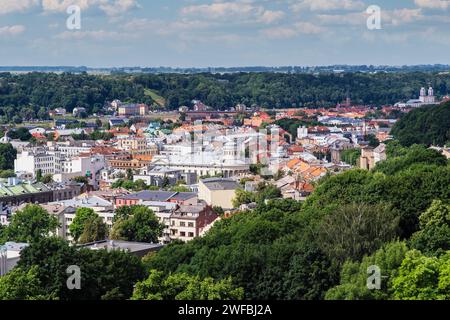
428, 126
274, 90
31, 96
28, 96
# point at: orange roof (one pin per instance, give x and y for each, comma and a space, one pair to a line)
293, 163
296, 148
38, 135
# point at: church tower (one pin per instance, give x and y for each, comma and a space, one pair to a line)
423, 95
431, 98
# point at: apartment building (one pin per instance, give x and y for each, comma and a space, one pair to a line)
32, 161
189, 222
132, 144
65, 211
129, 110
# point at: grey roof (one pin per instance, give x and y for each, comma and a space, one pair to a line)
88, 202
123, 245
182, 196
148, 195
14, 246
118, 121
191, 209
220, 184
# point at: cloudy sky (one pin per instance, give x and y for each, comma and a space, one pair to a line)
197, 33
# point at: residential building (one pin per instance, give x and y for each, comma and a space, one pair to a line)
218, 192
158, 176
129, 110
371, 156
10, 256
184, 198
126, 161
132, 144
189, 222
78, 111
66, 211
32, 161
163, 210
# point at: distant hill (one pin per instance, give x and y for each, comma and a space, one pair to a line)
428, 125
245, 69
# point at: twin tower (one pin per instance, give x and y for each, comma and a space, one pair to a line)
424, 98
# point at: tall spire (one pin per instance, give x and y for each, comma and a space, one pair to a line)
423, 92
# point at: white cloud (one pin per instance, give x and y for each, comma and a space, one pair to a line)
395, 18
271, 16
62, 5
433, 4
294, 30
280, 33
327, 5
233, 11
160, 27
10, 6
118, 7
354, 18
12, 30
110, 7
93, 35
402, 16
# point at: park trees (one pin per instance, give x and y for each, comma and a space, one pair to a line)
88, 225
7, 156
137, 223
104, 274
30, 224
353, 231
181, 286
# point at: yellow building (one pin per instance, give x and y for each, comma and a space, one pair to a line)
218, 192
132, 144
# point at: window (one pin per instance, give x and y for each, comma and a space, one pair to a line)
183, 234
182, 224
190, 224
191, 234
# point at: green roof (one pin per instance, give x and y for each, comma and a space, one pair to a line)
7, 191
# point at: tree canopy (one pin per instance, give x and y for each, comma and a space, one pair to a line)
428, 125
30, 224
137, 223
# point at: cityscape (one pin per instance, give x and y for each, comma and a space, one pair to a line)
222, 182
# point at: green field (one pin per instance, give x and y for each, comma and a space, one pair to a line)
160, 101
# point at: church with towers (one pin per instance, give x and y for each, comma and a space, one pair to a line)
425, 99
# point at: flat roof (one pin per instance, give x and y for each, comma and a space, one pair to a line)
221, 184
122, 245
148, 195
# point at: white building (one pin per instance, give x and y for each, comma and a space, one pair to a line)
31, 161
89, 166
62, 162
65, 211
302, 132
163, 210
10, 256
424, 100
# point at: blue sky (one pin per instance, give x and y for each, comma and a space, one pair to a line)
198, 33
